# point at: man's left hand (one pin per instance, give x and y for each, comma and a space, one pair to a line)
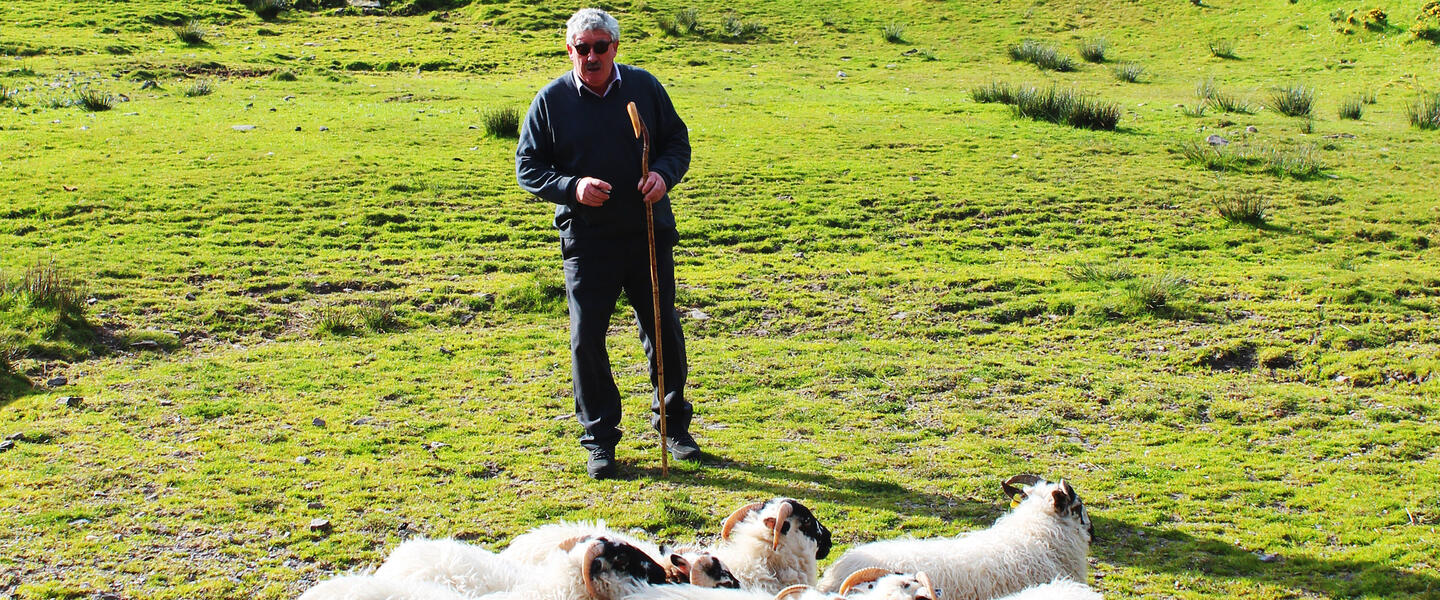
653, 186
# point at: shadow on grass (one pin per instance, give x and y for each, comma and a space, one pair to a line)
13, 387
1145, 548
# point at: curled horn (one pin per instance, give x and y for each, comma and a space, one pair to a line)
929, 587
592, 552
569, 544
1009, 485
785, 511
736, 517
866, 575
794, 590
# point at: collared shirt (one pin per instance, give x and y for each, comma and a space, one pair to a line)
614, 81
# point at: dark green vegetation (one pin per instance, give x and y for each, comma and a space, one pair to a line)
1044, 56
318, 292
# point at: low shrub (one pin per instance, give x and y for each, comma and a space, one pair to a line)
1042, 56
1066, 107
283, 76
893, 33
94, 100
1094, 50
1425, 111
201, 87
1427, 23
1247, 209
1351, 108
502, 122
190, 32
1222, 48
1129, 72
1293, 100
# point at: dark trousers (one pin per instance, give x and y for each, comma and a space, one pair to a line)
596, 271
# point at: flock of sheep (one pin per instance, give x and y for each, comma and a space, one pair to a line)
766, 551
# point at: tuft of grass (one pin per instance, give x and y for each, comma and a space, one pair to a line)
49, 286
1194, 111
378, 316
1247, 209
893, 33
1211, 157
1300, 162
687, 21
1223, 48
1094, 50
190, 32
1129, 72
1206, 89
201, 87
1425, 111
334, 321
8, 96
1351, 108
1155, 295
1066, 107
94, 100
1098, 273
997, 91
268, 9
1230, 103
734, 29
283, 75
1293, 100
502, 122
1041, 55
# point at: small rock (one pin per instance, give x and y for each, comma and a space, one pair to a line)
18, 436
72, 401
320, 525
447, 351
841, 75
1251, 129
91, 301
190, 296
914, 178
433, 446
166, 402
55, 382
149, 84
303, 460
324, 128
318, 422
1268, 557
6, 445
1216, 140
297, 128
146, 345
288, 98
80, 522
361, 421
316, 505
1341, 379
242, 127
698, 315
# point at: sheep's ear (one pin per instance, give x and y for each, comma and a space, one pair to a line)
680, 562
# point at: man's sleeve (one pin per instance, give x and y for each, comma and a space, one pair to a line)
534, 162
672, 145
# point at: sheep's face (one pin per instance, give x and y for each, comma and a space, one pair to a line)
802, 519
1067, 502
609, 562
701, 569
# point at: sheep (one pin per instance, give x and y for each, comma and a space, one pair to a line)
369, 587
882, 584
1045, 536
589, 568
866, 584
1059, 589
682, 565
771, 545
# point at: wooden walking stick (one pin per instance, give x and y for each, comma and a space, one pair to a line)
644, 136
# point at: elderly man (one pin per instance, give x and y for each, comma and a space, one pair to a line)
577, 149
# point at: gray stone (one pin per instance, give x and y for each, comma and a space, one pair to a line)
72, 401
149, 84
146, 345
1251, 129
242, 127
698, 315
318, 422
320, 525
364, 4
1216, 140
55, 382
6, 445
304, 460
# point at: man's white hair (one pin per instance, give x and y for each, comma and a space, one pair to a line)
589, 19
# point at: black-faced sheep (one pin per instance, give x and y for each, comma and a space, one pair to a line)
772, 545
682, 565
1047, 535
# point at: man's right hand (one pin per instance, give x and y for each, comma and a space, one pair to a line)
592, 191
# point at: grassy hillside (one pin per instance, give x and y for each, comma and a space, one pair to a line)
299, 282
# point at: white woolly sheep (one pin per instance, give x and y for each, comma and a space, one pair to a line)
467, 568
772, 545
1046, 536
1060, 589
866, 584
369, 587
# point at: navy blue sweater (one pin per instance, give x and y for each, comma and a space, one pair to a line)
568, 134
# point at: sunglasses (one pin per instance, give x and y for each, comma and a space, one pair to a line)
601, 47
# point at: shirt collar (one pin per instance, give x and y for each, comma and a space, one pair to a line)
614, 81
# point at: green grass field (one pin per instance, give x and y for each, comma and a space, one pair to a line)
314, 290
